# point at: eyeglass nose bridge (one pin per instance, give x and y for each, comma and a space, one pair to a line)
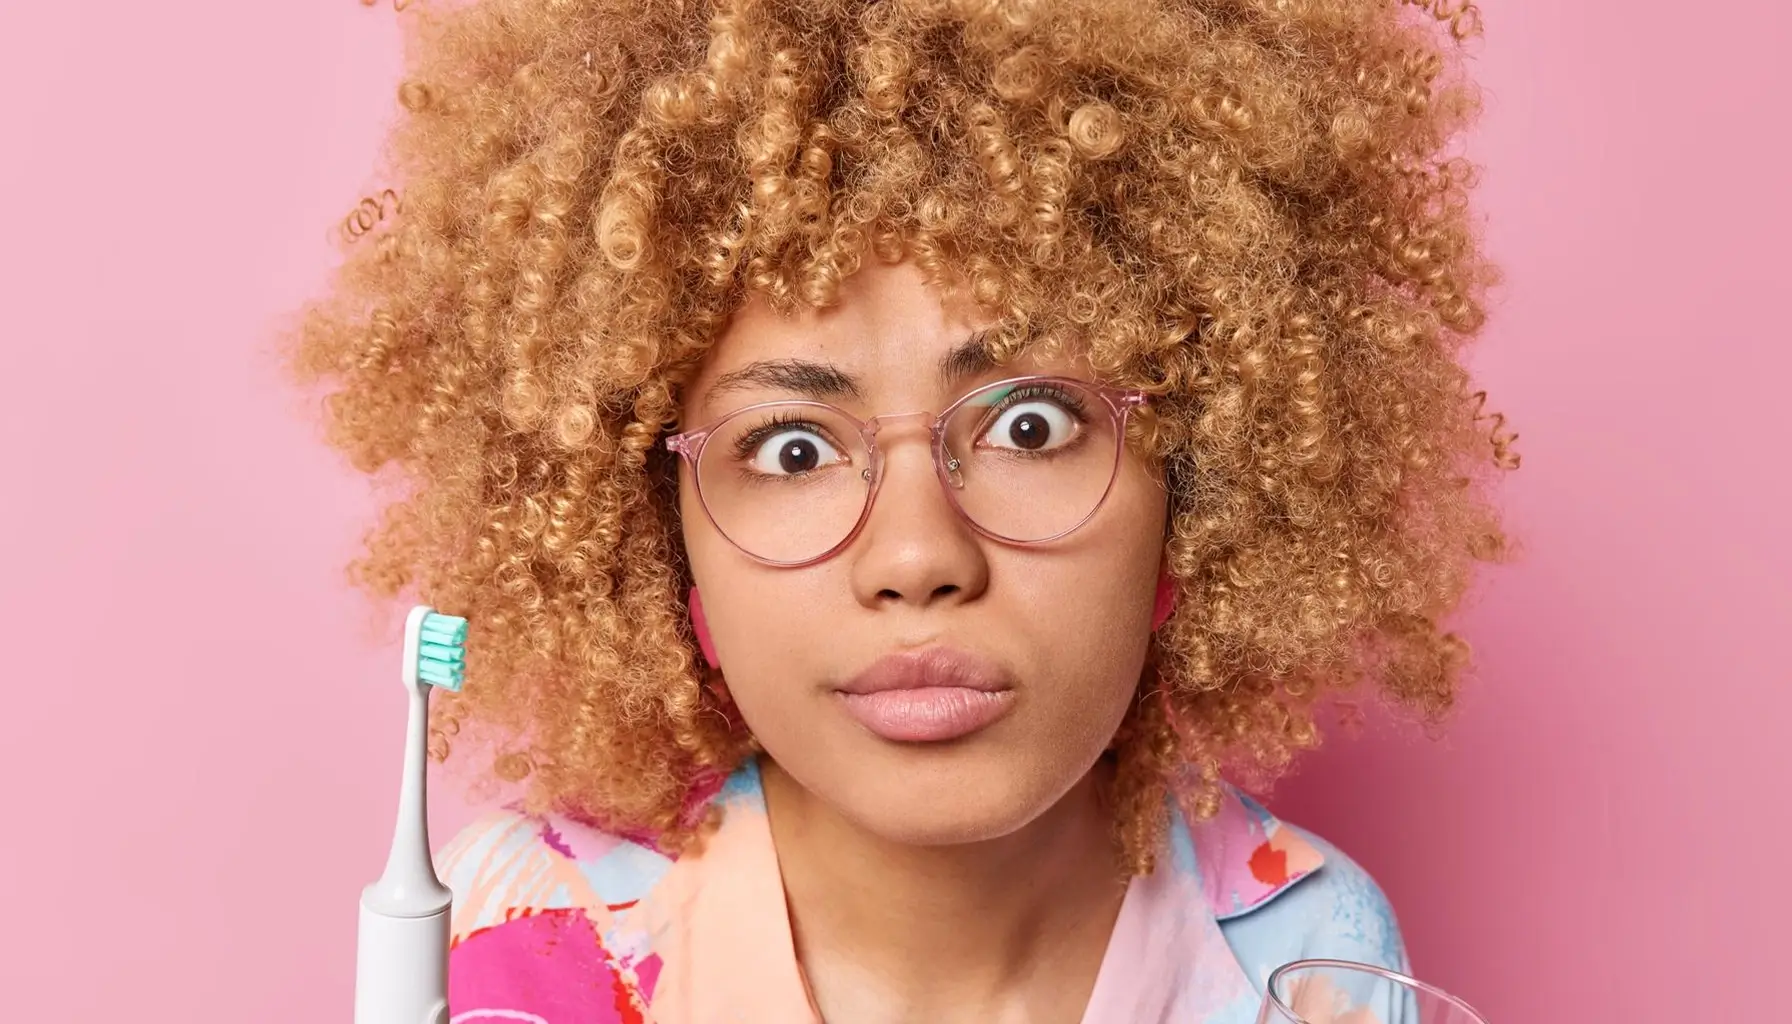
945, 463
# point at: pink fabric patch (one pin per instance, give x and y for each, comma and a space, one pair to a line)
548, 965
585, 840
576, 840
647, 975
551, 836
1247, 857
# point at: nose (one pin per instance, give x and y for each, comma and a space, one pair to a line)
915, 550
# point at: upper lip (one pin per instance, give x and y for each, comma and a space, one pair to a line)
931, 667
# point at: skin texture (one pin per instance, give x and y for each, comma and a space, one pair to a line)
1005, 821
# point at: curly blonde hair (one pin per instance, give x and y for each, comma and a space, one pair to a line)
1248, 208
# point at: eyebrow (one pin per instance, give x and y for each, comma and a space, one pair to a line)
820, 380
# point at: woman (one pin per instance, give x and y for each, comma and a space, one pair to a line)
894, 455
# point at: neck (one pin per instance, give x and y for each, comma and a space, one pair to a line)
982, 931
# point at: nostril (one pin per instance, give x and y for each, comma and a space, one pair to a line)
943, 590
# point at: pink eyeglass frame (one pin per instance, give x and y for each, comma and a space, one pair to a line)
1119, 403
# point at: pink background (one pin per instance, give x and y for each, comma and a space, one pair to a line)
201, 726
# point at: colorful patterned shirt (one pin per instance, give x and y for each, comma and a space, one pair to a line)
558, 923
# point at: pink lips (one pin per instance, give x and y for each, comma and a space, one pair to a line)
927, 696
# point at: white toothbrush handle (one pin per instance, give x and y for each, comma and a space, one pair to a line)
401, 956
401, 969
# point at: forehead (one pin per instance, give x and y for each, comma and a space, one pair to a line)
889, 330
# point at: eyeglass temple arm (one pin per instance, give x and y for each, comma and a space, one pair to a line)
686, 444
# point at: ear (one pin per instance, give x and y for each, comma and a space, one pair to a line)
1165, 602
700, 626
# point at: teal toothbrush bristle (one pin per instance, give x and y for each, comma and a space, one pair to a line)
442, 651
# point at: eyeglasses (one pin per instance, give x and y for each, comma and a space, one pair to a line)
1022, 461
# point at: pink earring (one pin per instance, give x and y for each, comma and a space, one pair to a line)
1165, 602
700, 626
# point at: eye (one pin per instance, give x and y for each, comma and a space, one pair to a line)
790, 451
1034, 425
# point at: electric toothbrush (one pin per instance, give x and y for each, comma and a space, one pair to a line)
401, 953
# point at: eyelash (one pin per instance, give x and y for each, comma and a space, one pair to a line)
752, 439
1071, 403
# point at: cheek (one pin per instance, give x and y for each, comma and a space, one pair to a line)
1113, 569
1090, 629
1102, 598
764, 623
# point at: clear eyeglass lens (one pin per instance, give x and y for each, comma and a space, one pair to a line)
785, 482
1030, 461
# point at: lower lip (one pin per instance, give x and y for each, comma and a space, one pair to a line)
930, 714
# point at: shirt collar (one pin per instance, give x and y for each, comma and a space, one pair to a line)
1245, 857
722, 927
1168, 960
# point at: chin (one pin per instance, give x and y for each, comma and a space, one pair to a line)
930, 797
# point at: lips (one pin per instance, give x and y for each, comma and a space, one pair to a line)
929, 696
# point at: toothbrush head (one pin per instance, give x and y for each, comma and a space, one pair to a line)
435, 650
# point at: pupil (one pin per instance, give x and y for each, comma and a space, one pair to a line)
798, 457
1029, 431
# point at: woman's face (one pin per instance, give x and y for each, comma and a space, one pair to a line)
1025, 657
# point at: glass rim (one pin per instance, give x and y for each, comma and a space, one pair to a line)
690, 445
1385, 973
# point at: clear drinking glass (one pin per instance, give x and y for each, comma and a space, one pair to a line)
1340, 992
